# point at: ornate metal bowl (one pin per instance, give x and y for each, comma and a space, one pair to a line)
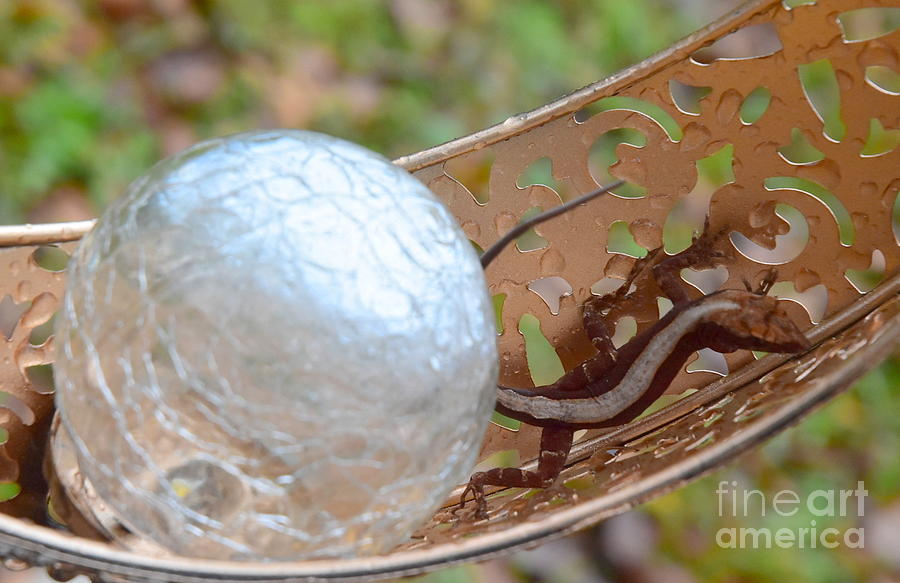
775, 122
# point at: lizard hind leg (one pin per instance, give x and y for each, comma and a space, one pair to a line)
704, 252
555, 445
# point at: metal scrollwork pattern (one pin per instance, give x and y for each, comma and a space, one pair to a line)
782, 141
31, 287
779, 124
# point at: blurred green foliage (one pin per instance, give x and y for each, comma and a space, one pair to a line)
93, 93
855, 437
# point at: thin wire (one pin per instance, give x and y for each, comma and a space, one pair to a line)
521, 228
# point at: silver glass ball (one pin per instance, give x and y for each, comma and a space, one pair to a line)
276, 345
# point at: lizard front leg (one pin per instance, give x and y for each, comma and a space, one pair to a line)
701, 254
592, 315
555, 445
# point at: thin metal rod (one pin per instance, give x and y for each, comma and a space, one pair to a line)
520, 229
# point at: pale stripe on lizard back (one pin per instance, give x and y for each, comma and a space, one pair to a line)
635, 383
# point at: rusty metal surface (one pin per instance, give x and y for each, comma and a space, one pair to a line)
820, 221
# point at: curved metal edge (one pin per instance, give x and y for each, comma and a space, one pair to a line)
50, 548
572, 102
516, 124
18, 235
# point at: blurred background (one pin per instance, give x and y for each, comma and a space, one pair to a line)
92, 93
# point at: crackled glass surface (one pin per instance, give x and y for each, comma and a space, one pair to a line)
276, 345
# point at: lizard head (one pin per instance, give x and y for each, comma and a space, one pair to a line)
758, 323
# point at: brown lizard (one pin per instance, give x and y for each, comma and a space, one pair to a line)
616, 385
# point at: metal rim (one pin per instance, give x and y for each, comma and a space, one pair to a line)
50, 548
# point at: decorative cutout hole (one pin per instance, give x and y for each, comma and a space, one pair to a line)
498, 300
18, 407
9, 490
507, 458
755, 105
865, 24
580, 483
717, 169
750, 410
895, 219
10, 313
787, 247
663, 305
883, 79
800, 152
42, 333
551, 290
720, 404
41, 378
505, 422
473, 172
814, 300
880, 140
750, 42
865, 280
687, 97
824, 95
607, 285
706, 280
645, 108
628, 452
823, 195
530, 240
688, 214
626, 328
704, 441
680, 227
708, 360
540, 172
621, 241
50, 258
543, 362
641, 443
791, 4
705, 422
667, 445
603, 155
